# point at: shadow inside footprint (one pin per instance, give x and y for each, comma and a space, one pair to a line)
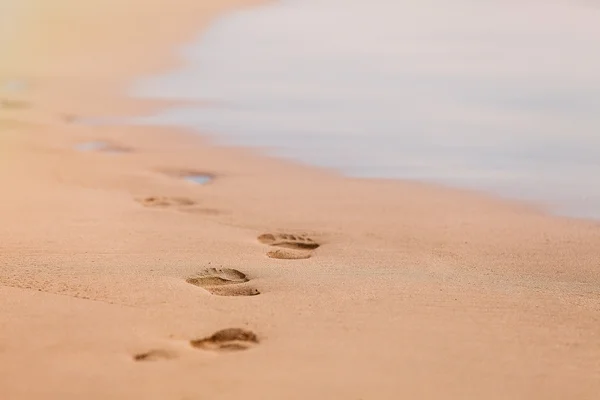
177, 203
161, 202
290, 241
218, 276
223, 282
233, 339
154, 355
233, 291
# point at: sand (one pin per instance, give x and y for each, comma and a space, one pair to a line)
119, 279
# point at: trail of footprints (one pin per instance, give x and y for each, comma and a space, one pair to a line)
220, 282
217, 281
231, 282
225, 281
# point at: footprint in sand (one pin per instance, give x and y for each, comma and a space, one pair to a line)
68, 118
282, 254
297, 242
163, 202
155, 355
177, 203
297, 247
223, 282
13, 104
233, 339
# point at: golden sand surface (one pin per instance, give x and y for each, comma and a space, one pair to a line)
119, 279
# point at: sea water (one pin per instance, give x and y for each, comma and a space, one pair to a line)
500, 96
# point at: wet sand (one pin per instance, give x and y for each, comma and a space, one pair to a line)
120, 279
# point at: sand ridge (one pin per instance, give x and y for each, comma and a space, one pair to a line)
399, 289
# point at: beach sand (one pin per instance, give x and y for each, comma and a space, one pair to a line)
118, 276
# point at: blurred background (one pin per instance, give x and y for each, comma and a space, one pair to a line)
501, 96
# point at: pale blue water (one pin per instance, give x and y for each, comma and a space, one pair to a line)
501, 96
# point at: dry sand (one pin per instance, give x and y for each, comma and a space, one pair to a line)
115, 272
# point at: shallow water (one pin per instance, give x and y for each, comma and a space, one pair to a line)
502, 96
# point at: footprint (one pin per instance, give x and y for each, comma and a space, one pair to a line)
179, 203
13, 104
162, 202
223, 282
289, 241
68, 118
155, 355
218, 276
232, 339
289, 254
202, 211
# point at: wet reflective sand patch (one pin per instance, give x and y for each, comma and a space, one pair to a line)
13, 86
101, 146
192, 176
199, 179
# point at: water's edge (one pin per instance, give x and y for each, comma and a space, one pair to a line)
487, 124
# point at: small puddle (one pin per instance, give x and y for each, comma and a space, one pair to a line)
198, 179
192, 176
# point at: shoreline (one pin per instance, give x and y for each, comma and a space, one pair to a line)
258, 103
412, 283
